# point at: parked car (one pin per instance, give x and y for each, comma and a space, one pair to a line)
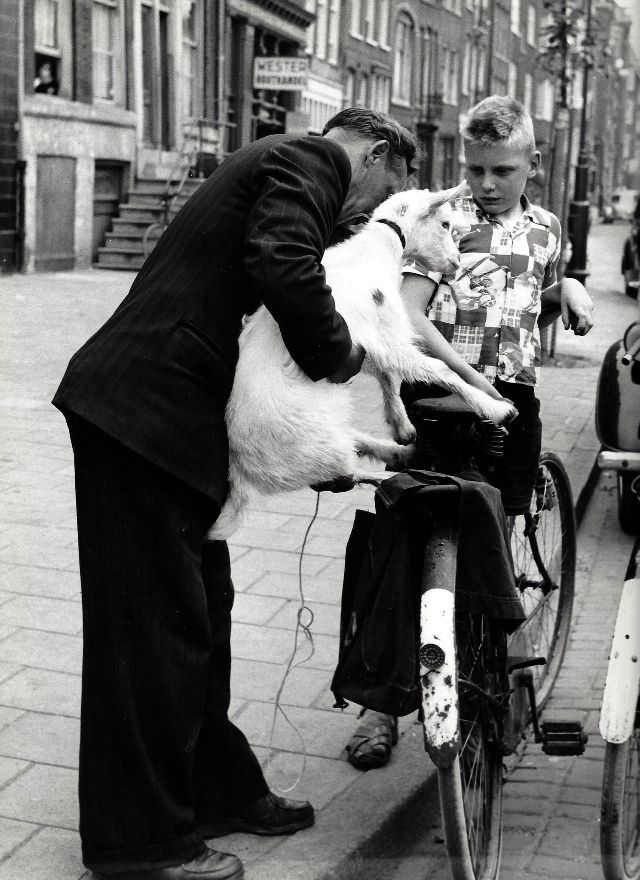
623, 203
631, 261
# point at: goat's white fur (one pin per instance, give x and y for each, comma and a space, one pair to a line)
286, 431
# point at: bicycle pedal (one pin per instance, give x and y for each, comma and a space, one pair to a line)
563, 737
515, 662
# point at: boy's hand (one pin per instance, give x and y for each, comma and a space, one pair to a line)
576, 307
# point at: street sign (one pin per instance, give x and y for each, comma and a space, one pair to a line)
280, 74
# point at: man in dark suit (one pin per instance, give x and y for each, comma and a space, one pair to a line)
160, 763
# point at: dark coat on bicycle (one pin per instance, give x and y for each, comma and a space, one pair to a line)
157, 375
145, 400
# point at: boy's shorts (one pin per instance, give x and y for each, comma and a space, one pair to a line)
515, 473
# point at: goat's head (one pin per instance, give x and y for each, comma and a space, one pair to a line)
428, 224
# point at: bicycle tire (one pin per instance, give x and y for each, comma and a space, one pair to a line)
543, 545
148, 242
471, 788
619, 808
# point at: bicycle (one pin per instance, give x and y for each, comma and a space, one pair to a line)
479, 691
620, 711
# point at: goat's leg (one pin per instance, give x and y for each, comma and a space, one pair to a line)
395, 413
413, 366
388, 451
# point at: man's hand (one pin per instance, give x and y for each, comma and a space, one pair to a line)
350, 367
576, 307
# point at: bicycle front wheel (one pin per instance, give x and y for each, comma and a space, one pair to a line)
471, 789
543, 545
619, 810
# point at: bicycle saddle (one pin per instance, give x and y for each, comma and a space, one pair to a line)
435, 407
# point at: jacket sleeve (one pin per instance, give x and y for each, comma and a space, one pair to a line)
301, 187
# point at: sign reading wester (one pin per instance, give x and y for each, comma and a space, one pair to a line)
280, 73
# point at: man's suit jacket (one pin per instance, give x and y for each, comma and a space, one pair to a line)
158, 374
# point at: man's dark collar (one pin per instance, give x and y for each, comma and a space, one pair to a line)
396, 229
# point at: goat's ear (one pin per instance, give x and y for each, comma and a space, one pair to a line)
447, 195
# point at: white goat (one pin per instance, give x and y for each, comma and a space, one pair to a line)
286, 431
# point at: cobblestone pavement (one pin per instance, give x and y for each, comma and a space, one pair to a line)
45, 318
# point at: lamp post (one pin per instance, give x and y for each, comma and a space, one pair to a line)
579, 206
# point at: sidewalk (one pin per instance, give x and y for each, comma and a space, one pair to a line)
45, 318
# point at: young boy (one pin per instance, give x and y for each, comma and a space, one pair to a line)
485, 323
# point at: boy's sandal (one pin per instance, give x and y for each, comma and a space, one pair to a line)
371, 742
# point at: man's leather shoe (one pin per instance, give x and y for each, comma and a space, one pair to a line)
270, 814
209, 865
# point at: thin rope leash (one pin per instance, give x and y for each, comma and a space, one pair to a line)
302, 626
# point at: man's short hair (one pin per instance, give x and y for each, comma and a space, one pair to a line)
377, 126
498, 118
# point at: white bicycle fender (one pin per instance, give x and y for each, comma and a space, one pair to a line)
623, 673
438, 676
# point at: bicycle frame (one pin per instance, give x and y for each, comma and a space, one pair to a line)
622, 684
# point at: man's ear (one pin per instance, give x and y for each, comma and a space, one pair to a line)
378, 150
535, 164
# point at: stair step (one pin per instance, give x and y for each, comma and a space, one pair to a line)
122, 240
115, 258
137, 212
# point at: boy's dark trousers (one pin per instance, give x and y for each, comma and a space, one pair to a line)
158, 754
516, 472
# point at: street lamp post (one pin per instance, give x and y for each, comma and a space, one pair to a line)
579, 206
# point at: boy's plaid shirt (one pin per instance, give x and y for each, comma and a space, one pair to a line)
489, 313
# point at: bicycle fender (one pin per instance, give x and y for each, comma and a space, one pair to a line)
438, 676
622, 685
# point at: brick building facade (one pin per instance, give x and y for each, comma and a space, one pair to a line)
10, 188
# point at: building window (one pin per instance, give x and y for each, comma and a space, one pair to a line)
333, 31
108, 57
512, 81
466, 70
321, 29
370, 21
363, 90
350, 88
449, 76
52, 42
380, 91
453, 6
528, 91
545, 100
383, 23
191, 39
356, 18
403, 59
532, 25
515, 16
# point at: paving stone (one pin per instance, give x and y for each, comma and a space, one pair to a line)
43, 650
316, 588
10, 768
12, 835
50, 854
41, 690
48, 739
7, 670
326, 618
8, 716
256, 609
41, 613
323, 733
259, 643
554, 867
266, 539
306, 778
251, 680
39, 581
43, 794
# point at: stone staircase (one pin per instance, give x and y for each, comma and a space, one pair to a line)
123, 244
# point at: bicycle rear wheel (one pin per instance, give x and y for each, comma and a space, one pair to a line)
543, 545
620, 808
471, 789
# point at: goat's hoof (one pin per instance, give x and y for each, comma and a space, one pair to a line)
404, 456
404, 434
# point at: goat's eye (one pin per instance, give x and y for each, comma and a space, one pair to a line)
446, 225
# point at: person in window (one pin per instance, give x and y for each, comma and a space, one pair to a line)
45, 82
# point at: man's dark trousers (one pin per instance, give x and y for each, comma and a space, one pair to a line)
155, 760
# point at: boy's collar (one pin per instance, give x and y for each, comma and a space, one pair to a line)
532, 212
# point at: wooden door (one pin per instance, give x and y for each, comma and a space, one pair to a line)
55, 212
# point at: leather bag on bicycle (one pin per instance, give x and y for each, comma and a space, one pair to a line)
378, 654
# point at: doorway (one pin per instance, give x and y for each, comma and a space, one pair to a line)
156, 115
